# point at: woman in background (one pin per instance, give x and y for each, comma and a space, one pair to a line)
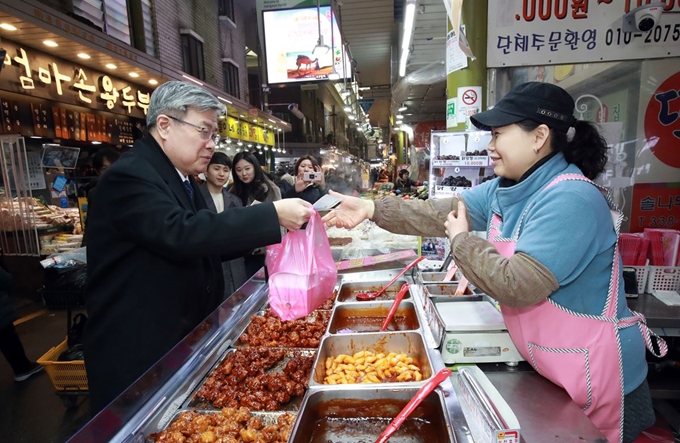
218, 200
251, 186
308, 190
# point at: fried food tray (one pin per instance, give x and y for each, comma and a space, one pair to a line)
269, 418
199, 404
311, 318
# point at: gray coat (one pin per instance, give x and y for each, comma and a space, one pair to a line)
7, 314
234, 270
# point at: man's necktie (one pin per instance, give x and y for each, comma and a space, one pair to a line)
189, 189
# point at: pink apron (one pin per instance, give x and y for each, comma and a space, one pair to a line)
579, 352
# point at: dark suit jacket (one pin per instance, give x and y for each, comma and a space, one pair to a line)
154, 270
234, 270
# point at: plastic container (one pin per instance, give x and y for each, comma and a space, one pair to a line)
65, 375
641, 275
663, 278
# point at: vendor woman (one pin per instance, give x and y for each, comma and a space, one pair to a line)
550, 257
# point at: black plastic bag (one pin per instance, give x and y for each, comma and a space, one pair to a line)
75, 334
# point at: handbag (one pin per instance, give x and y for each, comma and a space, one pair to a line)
302, 272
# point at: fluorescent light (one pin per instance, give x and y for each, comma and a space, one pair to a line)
399, 117
273, 121
191, 79
224, 100
403, 108
334, 75
133, 75
84, 56
111, 66
241, 115
254, 120
402, 62
7, 27
351, 117
35, 136
344, 93
409, 18
347, 109
96, 143
50, 43
153, 82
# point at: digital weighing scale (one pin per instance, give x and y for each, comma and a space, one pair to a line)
475, 333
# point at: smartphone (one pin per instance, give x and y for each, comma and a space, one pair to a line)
311, 176
326, 203
630, 283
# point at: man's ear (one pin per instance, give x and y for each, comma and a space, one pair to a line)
163, 126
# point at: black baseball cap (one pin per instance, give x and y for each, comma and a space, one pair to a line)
537, 101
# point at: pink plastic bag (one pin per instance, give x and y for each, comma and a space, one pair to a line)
302, 273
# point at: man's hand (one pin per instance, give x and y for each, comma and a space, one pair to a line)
293, 212
456, 222
351, 212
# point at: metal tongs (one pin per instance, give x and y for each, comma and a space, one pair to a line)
423, 392
367, 296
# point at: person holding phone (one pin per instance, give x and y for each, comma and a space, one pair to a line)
551, 257
310, 184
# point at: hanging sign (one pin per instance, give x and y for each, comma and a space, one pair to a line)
33, 73
555, 32
455, 58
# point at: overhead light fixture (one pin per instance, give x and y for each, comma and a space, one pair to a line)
111, 66
351, 117
133, 75
409, 19
7, 27
153, 82
191, 79
96, 143
50, 43
240, 143
254, 120
403, 108
398, 122
347, 109
334, 75
399, 117
344, 93
241, 115
224, 100
84, 56
273, 121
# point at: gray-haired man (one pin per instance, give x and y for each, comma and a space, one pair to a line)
154, 253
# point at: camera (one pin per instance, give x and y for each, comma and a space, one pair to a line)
311, 176
293, 108
643, 18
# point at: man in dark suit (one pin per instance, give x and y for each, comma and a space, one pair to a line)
154, 251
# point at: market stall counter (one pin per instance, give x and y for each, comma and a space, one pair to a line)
178, 393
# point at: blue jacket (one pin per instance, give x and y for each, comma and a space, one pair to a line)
567, 228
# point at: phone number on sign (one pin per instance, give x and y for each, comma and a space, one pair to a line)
660, 34
658, 222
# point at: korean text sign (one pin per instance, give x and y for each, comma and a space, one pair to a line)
545, 32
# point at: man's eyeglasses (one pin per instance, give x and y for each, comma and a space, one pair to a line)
205, 135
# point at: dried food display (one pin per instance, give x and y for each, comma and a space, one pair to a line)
370, 367
231, 425
456, 181
269, 330
247, 378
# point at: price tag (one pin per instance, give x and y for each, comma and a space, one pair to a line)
449, 191
475, 161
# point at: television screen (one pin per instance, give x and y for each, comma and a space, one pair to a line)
56, 156
291, 37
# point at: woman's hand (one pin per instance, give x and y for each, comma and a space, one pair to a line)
456, 221
351, 212
300, 183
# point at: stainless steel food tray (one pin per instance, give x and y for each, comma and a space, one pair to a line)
348, 290
310, 318
362, 414
410, 343
442, 292
377, 310
268, 418
293, 405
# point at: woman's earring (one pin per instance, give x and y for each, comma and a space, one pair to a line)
535, 150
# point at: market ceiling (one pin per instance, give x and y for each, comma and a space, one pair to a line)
372, 29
